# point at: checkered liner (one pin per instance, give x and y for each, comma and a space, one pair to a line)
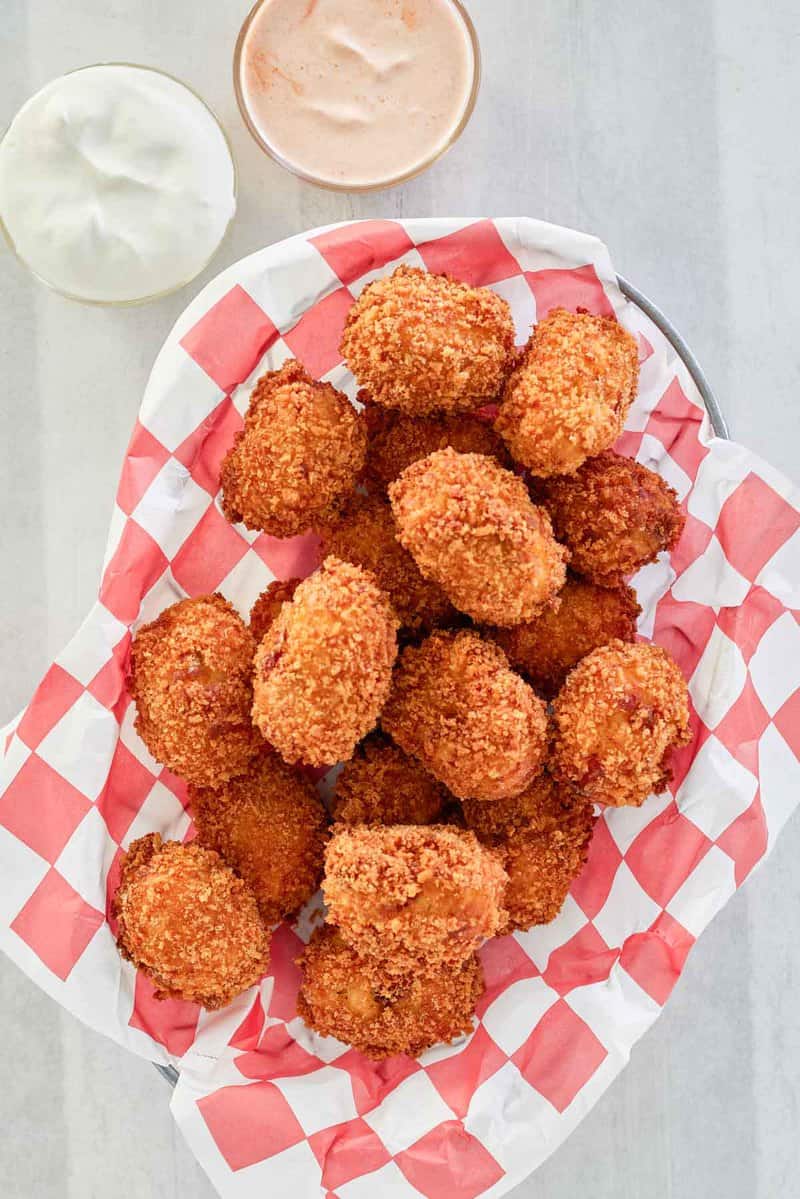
267, 1106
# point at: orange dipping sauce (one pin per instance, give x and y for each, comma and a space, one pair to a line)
356, 93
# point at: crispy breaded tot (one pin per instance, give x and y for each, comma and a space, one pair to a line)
614, 515
270, 826
587, 616
411, 898
472, 528
299, 454
323, 669
621, 712
474, 724
191, 680
342, 996
426, 343
568, 398
188, 922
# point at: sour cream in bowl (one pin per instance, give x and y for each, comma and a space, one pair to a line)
117, 184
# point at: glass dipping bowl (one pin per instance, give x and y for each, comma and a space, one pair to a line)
173, 287
390, 181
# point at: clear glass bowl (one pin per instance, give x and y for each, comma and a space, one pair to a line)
403, 177
168, 291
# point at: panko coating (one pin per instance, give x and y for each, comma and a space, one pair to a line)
268, 605
570, 395
614, 515
426, 343
545, 649
473, 723
188, 922
382, 785
412, 898
621, 712
191, 679
395, 441
323, 669
270, 826
472, 528
342, 997
299, 454
365, 535
544, 836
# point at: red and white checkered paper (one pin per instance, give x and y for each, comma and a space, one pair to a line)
268, 1106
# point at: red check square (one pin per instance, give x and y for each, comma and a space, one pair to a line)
144, 458
202, 451
250, 1123
747, 623
41, 808
208, 554
665, 853
137, 564
110, 685
278, 1055
57, 924
354, 250
289, 557
654, 959
741, 728
171, 1022
346, 1151
475, 254
285, 949
428, 1164
230, 339
373, 1081
746, 840
127, 787
315, 338
570, 289
675, 422
754, 503
560, 1056
683, 628
504, 962
54, 696
249, 1031
787, 722
592, 886
582, 960
457, 1078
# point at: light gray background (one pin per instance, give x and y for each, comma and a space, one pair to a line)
669, 129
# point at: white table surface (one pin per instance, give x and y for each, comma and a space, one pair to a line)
669, 129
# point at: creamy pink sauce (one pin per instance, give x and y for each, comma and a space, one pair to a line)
356, 92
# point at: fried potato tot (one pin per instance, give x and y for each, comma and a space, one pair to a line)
268, 604
471, 527
426, 343
457, 706
411, 898
188, 922
191, 680
570, 395
544, 837
614, 515
299, 454
365, 535
382, 785
394, 441
545, 649
323, 669
342, 996
621, 712
270, 826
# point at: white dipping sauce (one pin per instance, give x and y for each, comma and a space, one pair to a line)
116, 184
